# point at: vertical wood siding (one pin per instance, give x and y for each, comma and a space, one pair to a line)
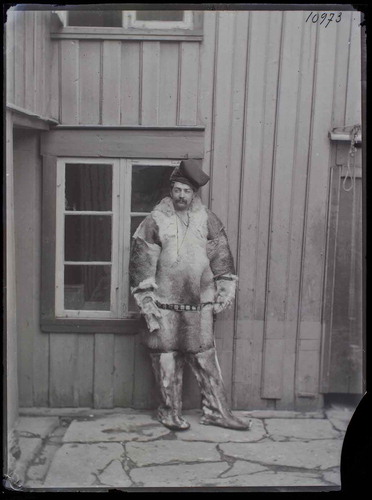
28, 62
268, 87
127, 83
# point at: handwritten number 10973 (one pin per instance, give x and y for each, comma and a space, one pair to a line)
325, 16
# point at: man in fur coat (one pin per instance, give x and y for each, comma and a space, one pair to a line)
182, 273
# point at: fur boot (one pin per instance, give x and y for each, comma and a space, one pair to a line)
214, 403
168, 369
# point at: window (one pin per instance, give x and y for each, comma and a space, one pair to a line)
99, 205
182, 25
150, 19
158, 19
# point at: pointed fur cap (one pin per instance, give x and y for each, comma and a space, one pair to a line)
189, 172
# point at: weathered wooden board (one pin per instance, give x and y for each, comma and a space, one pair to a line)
89, 82
70, 81
353, 97
341, 76
168, 86
256, 175
85, 370
282, 374
29, 101
103, 389
342, 371
223, 172
131, 143
111, 54
206, 93
19, 59
123, 370
317, 192
23, 184
33, 347
188, 83
63, 368
150, 79
40, 53
10, 59
272, 57
55, 81
10, 361
130, 83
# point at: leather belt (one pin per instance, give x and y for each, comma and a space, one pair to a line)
183, 307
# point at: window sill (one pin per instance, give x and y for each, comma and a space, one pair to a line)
128, 326
176, 35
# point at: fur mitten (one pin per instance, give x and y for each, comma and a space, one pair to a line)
225, 292
145, 299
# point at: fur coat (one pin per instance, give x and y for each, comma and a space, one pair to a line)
177, 264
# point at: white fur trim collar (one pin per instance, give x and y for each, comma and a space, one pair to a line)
166, 206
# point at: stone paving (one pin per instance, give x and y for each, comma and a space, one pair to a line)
128, 449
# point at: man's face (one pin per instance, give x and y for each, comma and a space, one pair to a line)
182, 196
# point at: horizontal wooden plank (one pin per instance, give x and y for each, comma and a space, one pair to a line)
124, 326
124, 143
134, 38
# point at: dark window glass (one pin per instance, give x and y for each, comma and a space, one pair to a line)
87, 288
95, 18
88, 187
135, 221
149, 185
159, 15
88, 238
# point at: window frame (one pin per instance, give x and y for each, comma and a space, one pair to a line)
61, 211
119, 319
129, 20
61, 30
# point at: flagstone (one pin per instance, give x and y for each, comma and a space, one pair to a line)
119, 427
281, 429
321, 454
162, 452
79, 465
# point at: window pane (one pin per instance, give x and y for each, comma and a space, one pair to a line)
87, 288
88, 238
88, 187
135, 221
159, 15
149, 185
109, 18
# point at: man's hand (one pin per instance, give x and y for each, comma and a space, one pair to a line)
151, 313
225, 294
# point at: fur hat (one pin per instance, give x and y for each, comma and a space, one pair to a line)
189, 172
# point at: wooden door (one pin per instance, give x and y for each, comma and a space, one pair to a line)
342, 370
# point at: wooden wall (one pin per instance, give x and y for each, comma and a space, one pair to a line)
114, 82
268, 87
274, 101
28, 61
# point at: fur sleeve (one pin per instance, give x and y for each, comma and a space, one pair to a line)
145, 252
218, 250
